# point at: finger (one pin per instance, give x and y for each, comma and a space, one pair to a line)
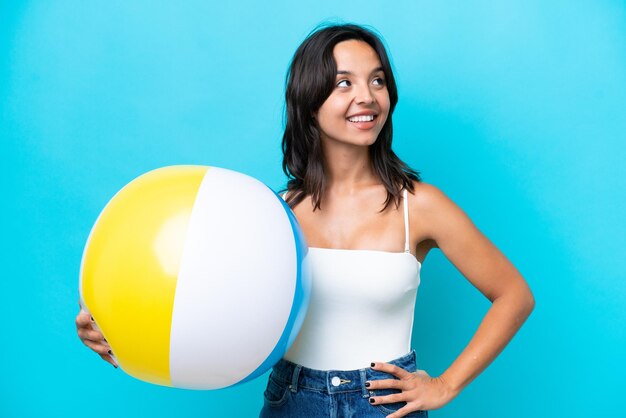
391, 369
384, 384
109, 359
404, 411
396, 397
99, 348
83, 319
92, 335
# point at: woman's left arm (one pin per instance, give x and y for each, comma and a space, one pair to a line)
492, 274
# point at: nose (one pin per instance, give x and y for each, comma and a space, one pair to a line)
363, 95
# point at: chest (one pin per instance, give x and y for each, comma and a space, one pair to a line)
353, 227
366, 278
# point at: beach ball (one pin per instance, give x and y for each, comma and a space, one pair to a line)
196, 276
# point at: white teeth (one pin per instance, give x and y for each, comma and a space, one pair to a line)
367, 118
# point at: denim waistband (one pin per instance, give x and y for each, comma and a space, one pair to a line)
334, 381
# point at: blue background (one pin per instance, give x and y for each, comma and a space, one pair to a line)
515, 109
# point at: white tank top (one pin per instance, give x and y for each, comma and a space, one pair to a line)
361, 307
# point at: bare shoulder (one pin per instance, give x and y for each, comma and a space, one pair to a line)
428, 200
435, 213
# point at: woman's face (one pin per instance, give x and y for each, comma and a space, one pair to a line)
357, 109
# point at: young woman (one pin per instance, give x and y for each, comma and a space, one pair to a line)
369, 222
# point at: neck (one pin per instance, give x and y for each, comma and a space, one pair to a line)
348, 167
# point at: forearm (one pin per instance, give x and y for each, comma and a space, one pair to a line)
503, 319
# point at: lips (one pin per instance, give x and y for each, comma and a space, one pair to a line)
363, 122
362, 118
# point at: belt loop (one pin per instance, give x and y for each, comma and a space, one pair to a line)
294, 378
363, 380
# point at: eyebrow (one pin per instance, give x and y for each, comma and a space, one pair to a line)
375, 70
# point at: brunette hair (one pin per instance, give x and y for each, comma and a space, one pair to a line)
310, 80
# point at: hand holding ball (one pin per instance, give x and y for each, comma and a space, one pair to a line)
196, 276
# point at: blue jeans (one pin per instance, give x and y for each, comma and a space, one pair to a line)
297, 391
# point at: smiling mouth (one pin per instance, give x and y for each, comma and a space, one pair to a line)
364, 118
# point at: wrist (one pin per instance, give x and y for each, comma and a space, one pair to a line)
451, 389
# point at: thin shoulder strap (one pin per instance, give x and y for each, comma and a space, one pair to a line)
406, 222
285, 196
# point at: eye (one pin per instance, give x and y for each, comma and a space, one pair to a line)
379, 81
343, 83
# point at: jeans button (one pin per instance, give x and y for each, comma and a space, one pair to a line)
335, 381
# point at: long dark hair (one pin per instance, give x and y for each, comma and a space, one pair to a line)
310, 80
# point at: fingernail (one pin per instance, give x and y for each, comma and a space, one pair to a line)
373, 364
367, 384
372, 400
115, 366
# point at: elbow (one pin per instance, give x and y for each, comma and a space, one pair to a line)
527, 303
520, 300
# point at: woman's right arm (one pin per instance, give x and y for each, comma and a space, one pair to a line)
93, 338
